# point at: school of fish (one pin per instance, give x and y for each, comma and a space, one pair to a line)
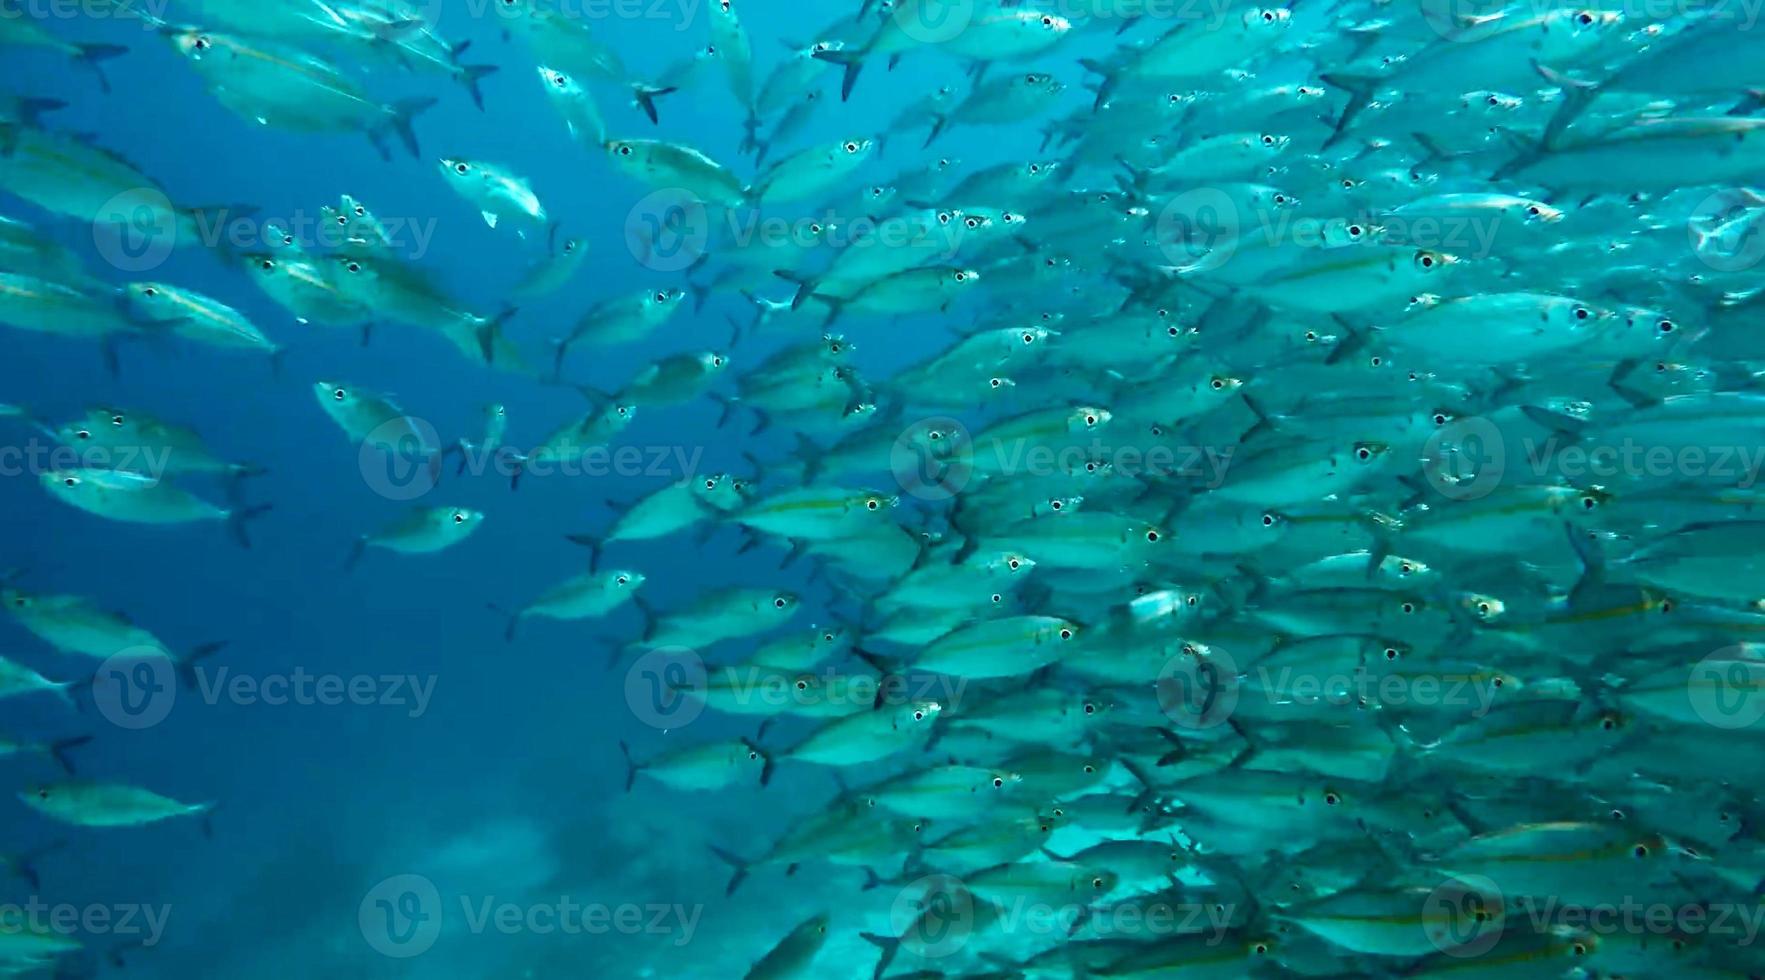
1316, 543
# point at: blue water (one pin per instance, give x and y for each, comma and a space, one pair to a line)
509, 784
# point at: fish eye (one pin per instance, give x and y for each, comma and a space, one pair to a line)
943, 217
459, 518
918, 714
1035, 168
1173, 331
339, 394
623, 411
621, 580
1363, 454
1065, 633
998, 782
1268, 16
202, 43
84, 434
1097, 883
1090, 708
1439, 418
1189, 600
1056, 504
779, 602
872, 504
1152, 537
1356, 231
43, 793
994, 382
997, 598
1582, 313
1217, 384
1585, 19
624, 150
1391, 653
971, 222
1090, 420
716, 362
1260, 949
1533, 210
1482, 608
752, 755
1268, 520
802, 685
1347, 184
1375, 360
1404, 568
462, 169
1641, 850
961, 277
1666, 605
1497, 682
72, 481
1408, 607
710, 484
354, 267
851, 147
1331, 799
1047, 21
1426, 260
1311, 336
1589, 502
149, 292
266, 265
1666, 326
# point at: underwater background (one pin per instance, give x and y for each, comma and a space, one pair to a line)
463, 771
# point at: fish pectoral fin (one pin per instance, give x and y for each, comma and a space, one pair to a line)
489, 218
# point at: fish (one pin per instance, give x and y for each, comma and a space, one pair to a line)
92, 804
423, 531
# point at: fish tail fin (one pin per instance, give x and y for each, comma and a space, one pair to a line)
25, 865
646, 96
1592, 562
1577, 96
805, 286
1106, 87
93, 56
631, 766
514, 620
890, 945
30, 111
186, 665
491, 332
239, 519
471, 76
404, 111
1360, 89
1527, 151
852, 61
809, 455
939, 122
590, 542
726, 405
739, 864
357, 549
767, 762
750, 133
1567, 426
60, 748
